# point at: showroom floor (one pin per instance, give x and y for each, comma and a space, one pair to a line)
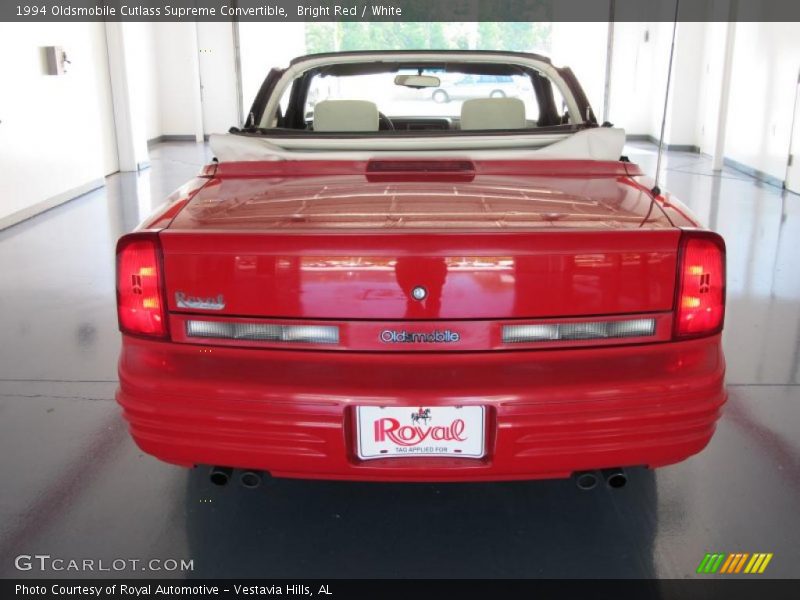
75, 486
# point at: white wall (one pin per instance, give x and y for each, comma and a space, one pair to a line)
56, 133
766, 62
143, 58
215, 43
640, 63
708, 94
582, 47
185, 52
631, 96
629, 105
133, 65
178, 82
687, 81
265, 46
660, 41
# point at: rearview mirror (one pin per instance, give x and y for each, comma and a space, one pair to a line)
417, 81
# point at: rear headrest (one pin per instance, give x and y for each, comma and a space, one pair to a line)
345, 115
493, 113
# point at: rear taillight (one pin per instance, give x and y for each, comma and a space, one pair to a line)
140, 289
700, 301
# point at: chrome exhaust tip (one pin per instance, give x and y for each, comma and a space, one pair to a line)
220, 475
615, 478
586, 480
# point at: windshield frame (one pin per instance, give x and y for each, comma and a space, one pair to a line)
457, 83
265, 113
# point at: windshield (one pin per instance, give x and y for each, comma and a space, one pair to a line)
384, 92
444, 100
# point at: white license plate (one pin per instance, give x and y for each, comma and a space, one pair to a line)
408, 431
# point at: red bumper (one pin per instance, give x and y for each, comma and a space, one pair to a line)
550, 413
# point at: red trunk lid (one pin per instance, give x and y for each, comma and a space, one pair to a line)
325, 240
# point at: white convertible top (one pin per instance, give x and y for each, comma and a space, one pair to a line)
597, 143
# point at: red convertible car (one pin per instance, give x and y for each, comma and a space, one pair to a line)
367, 284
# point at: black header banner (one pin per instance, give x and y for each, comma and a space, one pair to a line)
399, 10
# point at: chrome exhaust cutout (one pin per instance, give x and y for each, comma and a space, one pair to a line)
250, 479
615, 478
220, 475
586, 480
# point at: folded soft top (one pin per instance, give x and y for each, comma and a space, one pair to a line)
598, 143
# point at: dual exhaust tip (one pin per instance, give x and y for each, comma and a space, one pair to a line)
247, 479
615, 478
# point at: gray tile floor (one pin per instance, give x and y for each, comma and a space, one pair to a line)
75, 486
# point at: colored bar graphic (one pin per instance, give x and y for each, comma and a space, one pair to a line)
765, 563
701, 568
741, 562
728, 563
718, 563
710, 563
723, 563
754, 563
731, 564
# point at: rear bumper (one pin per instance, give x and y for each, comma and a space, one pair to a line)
550, 412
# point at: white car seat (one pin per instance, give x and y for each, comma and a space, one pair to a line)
493, 113
345, 115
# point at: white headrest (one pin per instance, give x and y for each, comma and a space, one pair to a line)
345, 115
493, 113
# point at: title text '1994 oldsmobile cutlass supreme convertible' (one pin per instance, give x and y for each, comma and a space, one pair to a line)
370, 284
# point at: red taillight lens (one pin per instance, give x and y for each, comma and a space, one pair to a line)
140, 298
701, 285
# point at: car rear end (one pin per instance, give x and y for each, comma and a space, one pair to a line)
408, 322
